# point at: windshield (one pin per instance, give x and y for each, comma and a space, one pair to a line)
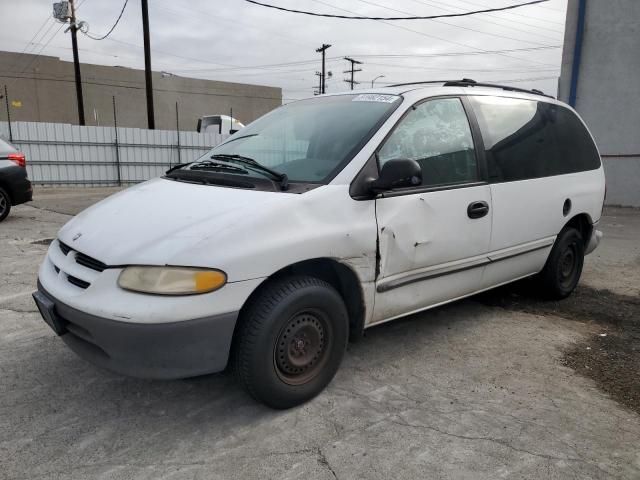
312, 139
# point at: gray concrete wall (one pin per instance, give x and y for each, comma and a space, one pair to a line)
608, 96
46, 91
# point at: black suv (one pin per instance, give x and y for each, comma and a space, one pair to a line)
15, 187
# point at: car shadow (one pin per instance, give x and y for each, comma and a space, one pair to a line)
84, 389
51, 382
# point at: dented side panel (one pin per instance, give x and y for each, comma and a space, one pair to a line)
428, 230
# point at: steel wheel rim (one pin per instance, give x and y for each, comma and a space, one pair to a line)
568, 265
3, 204
302, 347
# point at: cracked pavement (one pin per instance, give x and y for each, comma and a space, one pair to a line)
467, 391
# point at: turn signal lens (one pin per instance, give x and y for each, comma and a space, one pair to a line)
171, 280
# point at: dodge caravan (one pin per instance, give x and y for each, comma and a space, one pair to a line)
323, 218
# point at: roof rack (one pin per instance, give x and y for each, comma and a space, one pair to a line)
468, 82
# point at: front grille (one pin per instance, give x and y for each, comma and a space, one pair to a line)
77, 282
82, 259
92, 263
65, 248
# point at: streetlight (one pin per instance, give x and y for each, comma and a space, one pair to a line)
379, 76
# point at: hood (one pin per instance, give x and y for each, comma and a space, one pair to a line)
152, 223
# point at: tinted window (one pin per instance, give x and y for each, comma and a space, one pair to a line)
311, 139
529, 139
436, 134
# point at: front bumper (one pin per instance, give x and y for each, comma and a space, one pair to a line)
147, 350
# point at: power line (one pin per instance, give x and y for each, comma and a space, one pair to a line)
429, 35
112, 28
36, 44
37, 56
447, 8
135, 87
499, 17
453, 24
429, 17
219, 18
529, 17
31, 43
276, 66
456, 54
461, 69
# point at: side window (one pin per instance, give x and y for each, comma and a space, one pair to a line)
528, 139
576, 148
437, 135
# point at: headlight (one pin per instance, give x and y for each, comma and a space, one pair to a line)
171, 280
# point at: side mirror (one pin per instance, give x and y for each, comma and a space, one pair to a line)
397, 173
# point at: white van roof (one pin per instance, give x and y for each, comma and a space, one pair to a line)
448, 87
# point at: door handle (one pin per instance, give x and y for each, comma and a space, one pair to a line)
477, 209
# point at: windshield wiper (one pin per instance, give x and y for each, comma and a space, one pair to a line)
217, 166
282, 178
176, 167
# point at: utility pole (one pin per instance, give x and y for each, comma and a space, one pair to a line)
6, 102
322, 50
319, 91
353, 70
147, 65
76, 62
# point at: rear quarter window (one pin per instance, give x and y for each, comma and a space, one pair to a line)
529, 139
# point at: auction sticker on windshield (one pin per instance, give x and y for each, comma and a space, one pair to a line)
375, 97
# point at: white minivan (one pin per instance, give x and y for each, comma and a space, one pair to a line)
322, 218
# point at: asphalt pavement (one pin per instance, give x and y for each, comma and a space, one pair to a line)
478, 389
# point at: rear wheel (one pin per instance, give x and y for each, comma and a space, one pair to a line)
291, 341
562, 271
5, 204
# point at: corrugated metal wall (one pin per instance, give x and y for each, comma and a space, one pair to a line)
63, 154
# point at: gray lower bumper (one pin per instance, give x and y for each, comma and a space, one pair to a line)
160, 350
594, 241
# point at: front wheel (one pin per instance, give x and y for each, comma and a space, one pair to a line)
562, 271
291, 341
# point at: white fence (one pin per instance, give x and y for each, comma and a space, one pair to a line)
63, 154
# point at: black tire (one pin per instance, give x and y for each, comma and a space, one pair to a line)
291, 341
562, 271
5, 204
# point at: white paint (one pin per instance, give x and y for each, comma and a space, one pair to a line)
425, 231
252, 234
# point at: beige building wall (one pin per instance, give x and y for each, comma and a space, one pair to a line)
45, 92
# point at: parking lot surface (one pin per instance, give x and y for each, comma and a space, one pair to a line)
495, 386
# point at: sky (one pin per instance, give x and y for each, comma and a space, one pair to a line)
233, 40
